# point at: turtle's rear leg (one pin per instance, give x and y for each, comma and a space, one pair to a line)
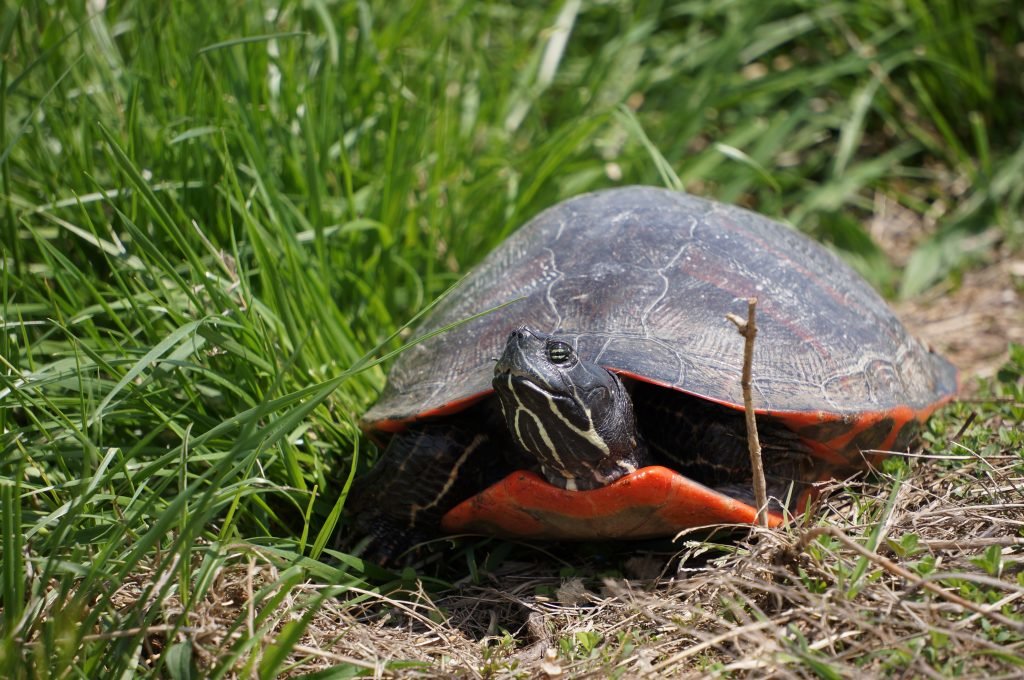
786, 460
707, 442
728, 470
425, 471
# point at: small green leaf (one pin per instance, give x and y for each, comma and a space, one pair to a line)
588, 640
924, 268
991, 561
342, 671
905, 546
178, 659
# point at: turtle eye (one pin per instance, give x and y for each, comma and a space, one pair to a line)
559, 352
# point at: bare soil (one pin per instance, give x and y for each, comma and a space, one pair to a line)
974, 321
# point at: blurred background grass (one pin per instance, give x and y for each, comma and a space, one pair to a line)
216, 216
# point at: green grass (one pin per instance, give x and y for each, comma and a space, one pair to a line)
217, 216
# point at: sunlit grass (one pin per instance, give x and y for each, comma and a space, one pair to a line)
217, 216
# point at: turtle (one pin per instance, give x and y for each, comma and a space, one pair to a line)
583, 381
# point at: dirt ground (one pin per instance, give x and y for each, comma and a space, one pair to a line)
971, 318
973, 322
775, 604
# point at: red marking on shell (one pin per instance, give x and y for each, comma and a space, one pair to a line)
399, 424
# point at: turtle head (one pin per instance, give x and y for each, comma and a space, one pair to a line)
573, 416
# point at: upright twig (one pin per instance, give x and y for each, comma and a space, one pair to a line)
748, 329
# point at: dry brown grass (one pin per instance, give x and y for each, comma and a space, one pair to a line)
767, 609
764, 605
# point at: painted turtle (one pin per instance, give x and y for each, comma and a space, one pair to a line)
603, 399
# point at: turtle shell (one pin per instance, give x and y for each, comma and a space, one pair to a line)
640, 280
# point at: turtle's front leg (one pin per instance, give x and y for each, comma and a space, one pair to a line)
424, 472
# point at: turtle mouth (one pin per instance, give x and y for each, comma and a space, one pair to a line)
505, 367
521, 379
520, 386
